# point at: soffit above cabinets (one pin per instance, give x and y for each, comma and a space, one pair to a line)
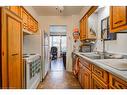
51, 10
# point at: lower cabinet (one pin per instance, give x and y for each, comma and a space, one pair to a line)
97, 83
97, 78
86, 78
116, 83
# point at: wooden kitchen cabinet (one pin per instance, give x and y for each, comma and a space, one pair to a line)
118, 18
91, 76
116, 83
86, 63
11, 50
97, 83
29, 23
86, 78
25, 18
84, 74
35, 26
15, 9
81, 29
84, 29
102, 74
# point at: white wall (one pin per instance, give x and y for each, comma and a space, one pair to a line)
114, 46
32, 44
70, 22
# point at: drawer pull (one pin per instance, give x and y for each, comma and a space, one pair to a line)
118, 22
14, 54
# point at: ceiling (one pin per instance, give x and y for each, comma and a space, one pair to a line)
51, 10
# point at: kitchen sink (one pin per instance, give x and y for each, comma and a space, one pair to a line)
96, 55
113, 60
120, 64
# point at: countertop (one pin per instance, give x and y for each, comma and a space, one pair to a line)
100, 63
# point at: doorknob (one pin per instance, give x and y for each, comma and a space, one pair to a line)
14, 54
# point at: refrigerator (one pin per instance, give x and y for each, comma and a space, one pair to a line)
45, 54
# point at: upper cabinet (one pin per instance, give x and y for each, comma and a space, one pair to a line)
25, 18
15, 9
29, 23
86, 30
83, 29
118, 18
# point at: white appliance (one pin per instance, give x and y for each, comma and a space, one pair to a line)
32, 70
45, 54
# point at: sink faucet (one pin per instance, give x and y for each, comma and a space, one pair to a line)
104, 51
103, 45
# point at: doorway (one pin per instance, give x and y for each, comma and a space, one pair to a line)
58, 42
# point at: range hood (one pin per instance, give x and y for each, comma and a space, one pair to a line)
26, 32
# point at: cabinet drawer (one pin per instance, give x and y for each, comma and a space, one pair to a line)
100, 73
97, 83
116, 83
86, 63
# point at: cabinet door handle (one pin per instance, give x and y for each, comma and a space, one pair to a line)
118, 22
14, 54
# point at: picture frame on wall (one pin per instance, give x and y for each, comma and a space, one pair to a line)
105, 30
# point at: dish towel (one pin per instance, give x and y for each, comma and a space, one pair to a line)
76, 67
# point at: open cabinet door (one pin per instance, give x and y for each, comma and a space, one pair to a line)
12, 65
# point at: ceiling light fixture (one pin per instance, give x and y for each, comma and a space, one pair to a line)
60, 8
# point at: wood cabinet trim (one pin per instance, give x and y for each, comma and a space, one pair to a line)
111, 9
98, 81
103, 75
116, 83
120, 27
19, 9
11, 12
90, 11
29, 14
87, 72
85, 63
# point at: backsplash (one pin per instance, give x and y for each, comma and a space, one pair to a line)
114, 46
32, 44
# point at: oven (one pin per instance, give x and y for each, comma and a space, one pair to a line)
32, 71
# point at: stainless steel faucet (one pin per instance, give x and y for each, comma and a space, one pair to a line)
103, 45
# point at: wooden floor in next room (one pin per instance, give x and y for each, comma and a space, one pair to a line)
58, 78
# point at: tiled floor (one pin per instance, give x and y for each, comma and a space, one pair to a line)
58, 78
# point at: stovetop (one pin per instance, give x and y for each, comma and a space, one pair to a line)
29, 55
